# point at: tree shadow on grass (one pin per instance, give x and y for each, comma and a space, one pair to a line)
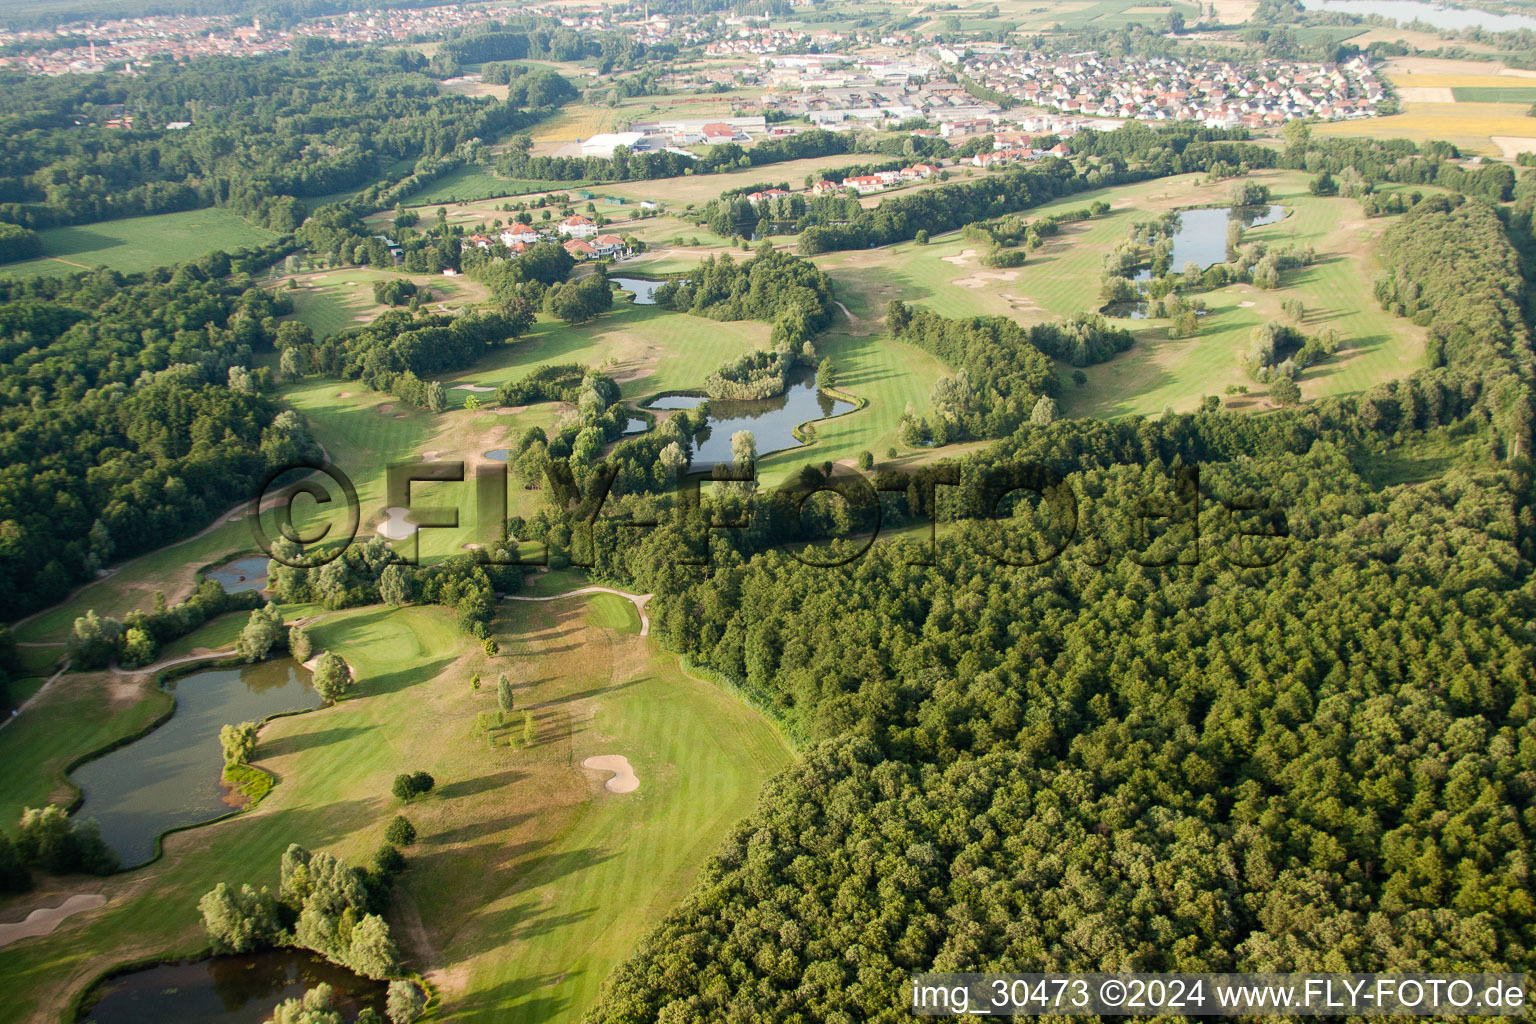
480, 784
296, 742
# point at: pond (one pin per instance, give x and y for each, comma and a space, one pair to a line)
636, 425
240, 989
1404, 11
241, 574
645, 291
1202, 235
170, 777
771, 420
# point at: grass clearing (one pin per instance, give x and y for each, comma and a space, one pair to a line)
139, 243
330, 301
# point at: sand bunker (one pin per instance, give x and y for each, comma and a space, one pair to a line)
384, 407
396, 526
343, 394
964, 257
477, 388
979, 280
624, 779
44, 921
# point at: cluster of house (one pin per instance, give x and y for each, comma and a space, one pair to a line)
869, 93
583, 239
86, 47
864, 184
1012, 147
1218, 93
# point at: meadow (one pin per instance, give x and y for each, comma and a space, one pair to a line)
139, 243
528, 878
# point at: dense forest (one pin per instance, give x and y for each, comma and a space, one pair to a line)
264, 134
129, 413
1279, 718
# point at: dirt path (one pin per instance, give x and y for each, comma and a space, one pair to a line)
33, 699
638, 600
851, 318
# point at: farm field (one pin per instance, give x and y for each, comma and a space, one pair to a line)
528, 877
1475, 105
139, 243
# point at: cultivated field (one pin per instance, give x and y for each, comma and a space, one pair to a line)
139, 243
1478, 106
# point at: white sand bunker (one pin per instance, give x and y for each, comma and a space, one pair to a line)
396, 526
979, 280
624, 778
44, 921
963, 257
478, 388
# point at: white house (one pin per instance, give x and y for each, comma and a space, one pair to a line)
577, 226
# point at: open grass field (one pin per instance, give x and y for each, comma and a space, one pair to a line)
1494, 93
329, 301
1061, 279
528, 877
139, 243
474, 182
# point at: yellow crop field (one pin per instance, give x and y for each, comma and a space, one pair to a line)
1469, 126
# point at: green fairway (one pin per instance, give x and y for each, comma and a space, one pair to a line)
140, 243
330, 301
474, 182
529, 879
1061, 279
609, 611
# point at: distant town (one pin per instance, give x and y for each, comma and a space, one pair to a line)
833, 80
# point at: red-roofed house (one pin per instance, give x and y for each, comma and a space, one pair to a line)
608, 245
579, 249
824, 188
719, 132
865, 183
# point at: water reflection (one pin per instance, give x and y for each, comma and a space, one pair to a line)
771, 420
228, 990
170, 777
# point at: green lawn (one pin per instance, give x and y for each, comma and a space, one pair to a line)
528, 883
330, 301
474, 182
140, 243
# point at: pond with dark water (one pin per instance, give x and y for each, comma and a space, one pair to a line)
240, 989
241, 574
645, 291
170, 777
771, 420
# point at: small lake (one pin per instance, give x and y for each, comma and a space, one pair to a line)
240, 989
1405, 11
1202, 235
645, 291
498, 454
170, 777
241, 574
636, 425
771, 420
